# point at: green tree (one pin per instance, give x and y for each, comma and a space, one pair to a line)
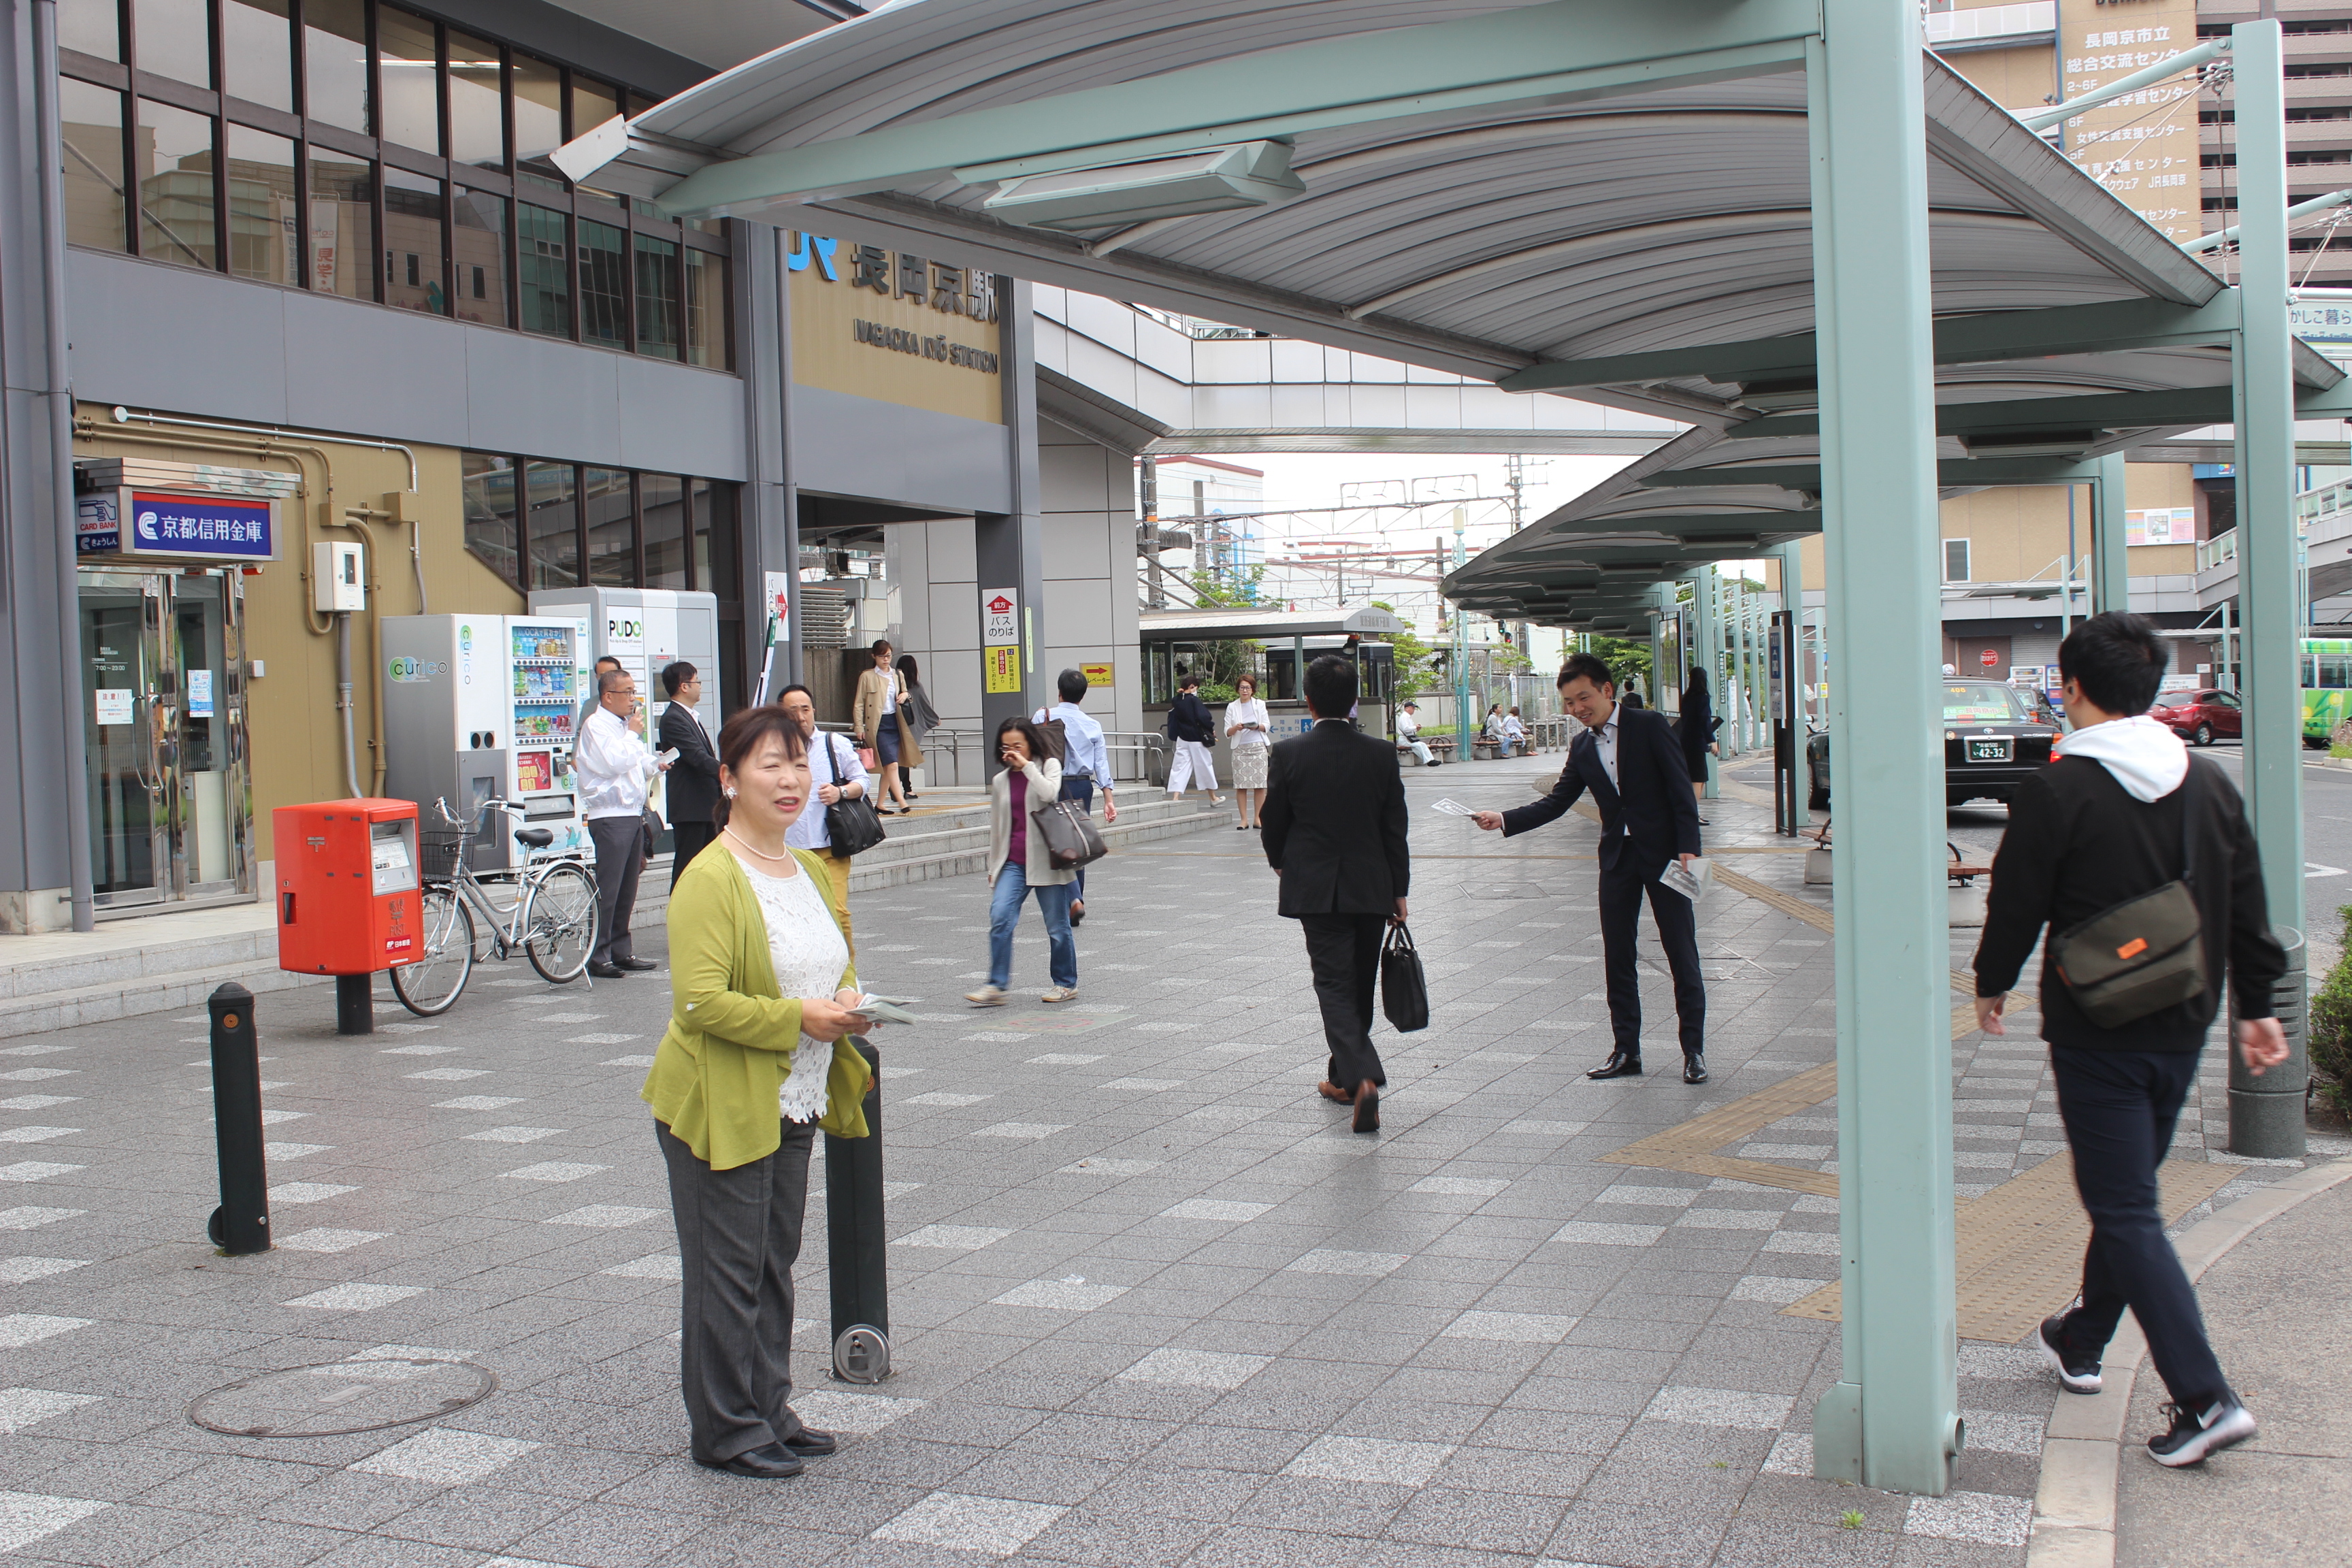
1415, 660
1221, 665
1627, 660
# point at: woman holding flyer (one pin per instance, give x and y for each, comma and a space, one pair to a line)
757, 1057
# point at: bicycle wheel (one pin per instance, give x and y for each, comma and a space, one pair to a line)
434, 981
559, 922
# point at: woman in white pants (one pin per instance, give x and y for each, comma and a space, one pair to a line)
1191, 731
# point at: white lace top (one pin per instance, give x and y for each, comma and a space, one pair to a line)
807, 948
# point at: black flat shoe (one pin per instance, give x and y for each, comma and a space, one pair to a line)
635, 965
1694, 1067
608, 971
768, 1462
808, 1443
1618, 1065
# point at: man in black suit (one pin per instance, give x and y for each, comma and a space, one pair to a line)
1334, 830
1630, 761
693, 787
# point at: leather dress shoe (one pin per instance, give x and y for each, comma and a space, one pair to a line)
1695, 1067
608, 971
1332, 1092
1621, 1064
1368, 1107
767, 1462
635, 964
808, 1443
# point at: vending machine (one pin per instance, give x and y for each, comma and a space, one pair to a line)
486, 707
647, 629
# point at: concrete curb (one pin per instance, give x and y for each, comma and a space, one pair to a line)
2083, 1451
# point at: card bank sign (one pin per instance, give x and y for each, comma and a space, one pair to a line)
126, 521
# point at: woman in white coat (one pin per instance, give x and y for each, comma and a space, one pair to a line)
1019, 864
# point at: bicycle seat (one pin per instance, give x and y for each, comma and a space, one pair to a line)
534, 838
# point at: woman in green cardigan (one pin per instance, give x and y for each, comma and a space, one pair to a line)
755, 1060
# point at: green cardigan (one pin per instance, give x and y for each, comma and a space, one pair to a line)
728, 1046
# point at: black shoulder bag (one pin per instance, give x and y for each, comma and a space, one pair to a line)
2145, 954
854, 826
1405, 990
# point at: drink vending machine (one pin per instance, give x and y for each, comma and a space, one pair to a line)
484, 706
647, 629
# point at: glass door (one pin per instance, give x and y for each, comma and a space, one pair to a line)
122, 680
212, 809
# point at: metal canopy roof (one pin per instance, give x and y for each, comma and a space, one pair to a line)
1220, 625
1646, 245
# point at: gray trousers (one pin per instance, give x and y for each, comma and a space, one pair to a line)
738, 1233
620, 859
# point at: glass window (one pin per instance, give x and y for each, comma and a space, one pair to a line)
477, 121
657, 297
705, 310
554, 526
176, 185
662, 499
612, 527
537, 107
335, 62
490, 511
544, 273
604, 299
93, 161
342, 239
415, 257
480, 244
173, 38
714, 538
1980, 703
257, 50
1956, 560
408, 74
593, 104
262, 215
91, 26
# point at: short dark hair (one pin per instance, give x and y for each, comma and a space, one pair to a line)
605, 659
2118, 660
1189, 682
1039, 750
1331, 686
1586, 667
746, 733
674, 675
795, 686
604, 678
1072, 685
881, 645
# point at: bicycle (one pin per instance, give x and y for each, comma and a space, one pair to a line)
552, 920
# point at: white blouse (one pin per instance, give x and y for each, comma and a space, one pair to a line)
805, 943
1247, 710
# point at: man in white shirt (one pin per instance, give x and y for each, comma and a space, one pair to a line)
1407, 728
615, 770
834, 773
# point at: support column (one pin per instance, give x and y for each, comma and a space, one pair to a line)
1892, 1420
2110, 571
1707, 624
1009, 547
768, 536
2268, 608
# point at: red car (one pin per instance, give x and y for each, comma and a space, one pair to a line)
2201, 717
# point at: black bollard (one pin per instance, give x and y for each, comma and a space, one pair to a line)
241, 1223
853, 1210
355, 1004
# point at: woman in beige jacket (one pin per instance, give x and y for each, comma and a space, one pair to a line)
1019, 864
876, 717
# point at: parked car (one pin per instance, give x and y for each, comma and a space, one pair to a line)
2201, 717
1993, 740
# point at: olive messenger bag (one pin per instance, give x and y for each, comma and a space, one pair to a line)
2145, 954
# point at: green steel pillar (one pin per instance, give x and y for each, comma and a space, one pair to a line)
1657, 656
2267, 604
1707, 624
1791, 556
1893, 1418
2110, 572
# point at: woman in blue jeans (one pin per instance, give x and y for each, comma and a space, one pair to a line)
1019, 864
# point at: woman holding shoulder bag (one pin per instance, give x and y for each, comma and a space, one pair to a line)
1019, 864
879, 715
756, 1059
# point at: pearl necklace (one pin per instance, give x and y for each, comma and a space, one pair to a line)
755, 848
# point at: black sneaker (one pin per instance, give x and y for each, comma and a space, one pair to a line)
2078, 1371
2192, 1436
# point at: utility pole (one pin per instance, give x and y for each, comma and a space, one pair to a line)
1461, 645
1156, 596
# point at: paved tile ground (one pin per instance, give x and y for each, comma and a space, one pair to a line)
1152, 1303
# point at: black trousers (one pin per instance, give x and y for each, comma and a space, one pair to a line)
620, 844
688, 839
1344, 952
2119, 1108
739, 1235
1621, 913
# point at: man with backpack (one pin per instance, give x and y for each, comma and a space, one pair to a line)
2140, 862
1086, 761
1191, 732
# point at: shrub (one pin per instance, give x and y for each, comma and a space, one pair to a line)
2330, 1027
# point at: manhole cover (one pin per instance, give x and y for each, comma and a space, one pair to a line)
342, 1397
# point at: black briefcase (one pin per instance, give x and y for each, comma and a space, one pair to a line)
1404, 991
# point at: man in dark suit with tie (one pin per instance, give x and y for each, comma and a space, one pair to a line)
1334, 830
693, 786
1630, 761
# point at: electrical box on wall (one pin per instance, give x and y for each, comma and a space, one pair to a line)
338, 575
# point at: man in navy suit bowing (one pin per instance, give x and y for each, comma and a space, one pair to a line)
1630, 761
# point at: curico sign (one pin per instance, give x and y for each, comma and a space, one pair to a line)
405, 670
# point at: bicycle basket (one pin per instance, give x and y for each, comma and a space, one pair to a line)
439, 850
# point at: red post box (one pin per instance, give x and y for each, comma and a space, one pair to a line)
347, 896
